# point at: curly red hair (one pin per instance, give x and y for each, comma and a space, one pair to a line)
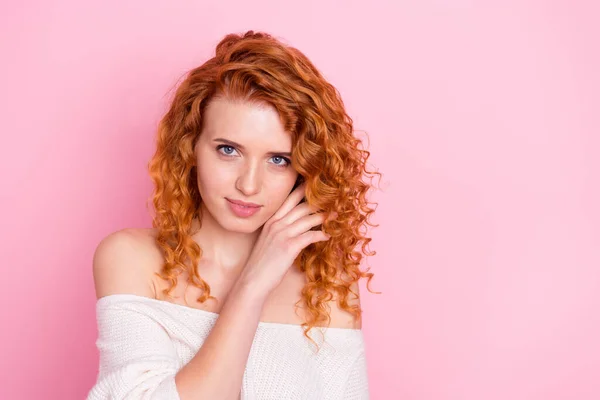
257, 67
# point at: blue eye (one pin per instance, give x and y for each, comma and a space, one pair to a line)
287, 162
230, 149
224, 146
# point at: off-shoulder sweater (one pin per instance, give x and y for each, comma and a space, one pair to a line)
143, 342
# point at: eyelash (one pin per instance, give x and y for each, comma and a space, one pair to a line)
287, 161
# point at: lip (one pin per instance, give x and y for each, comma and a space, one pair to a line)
241, 203
242, 211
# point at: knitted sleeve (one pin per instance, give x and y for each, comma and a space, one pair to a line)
357, 386
137, 357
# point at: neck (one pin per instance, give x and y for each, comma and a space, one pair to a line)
224, 249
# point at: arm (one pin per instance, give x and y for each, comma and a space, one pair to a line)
148, 367
217, 369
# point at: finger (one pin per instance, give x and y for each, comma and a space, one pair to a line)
310, 237
292, 201
298, 212
304, 224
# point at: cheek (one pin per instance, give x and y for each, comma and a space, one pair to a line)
278, 193
210, 178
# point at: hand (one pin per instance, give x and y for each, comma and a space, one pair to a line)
282, 238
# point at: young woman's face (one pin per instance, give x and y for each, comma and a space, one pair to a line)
243, 154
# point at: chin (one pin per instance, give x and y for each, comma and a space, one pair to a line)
240, 226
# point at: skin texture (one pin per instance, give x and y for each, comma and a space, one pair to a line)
245, 173
228, 241
256, 67
248, 172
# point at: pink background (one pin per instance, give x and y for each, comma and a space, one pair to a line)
483, 117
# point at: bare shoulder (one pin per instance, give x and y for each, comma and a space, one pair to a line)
341, 318
122, 263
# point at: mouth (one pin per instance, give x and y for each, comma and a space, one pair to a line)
241, 210
243, 204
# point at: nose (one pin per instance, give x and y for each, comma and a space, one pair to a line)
249, 179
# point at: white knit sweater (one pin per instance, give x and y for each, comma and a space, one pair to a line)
143, 342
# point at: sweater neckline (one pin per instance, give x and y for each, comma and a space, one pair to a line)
213, 315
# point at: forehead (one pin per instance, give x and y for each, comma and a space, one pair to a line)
244, 122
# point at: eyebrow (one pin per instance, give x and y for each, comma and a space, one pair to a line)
232, 143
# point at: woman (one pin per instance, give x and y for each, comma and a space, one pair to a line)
259, 204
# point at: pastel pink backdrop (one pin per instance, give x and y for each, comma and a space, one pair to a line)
483, 117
